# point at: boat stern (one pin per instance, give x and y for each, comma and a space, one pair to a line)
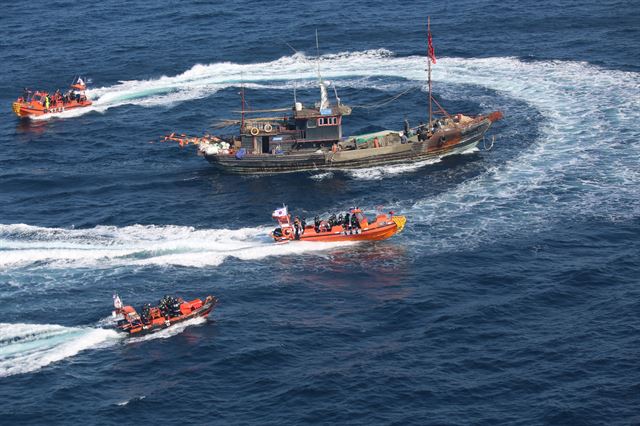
495, 116
17, 107
400, 221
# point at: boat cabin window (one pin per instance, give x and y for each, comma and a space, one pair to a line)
328, 121
311, 124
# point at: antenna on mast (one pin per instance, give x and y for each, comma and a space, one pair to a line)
429, 62
324, 97
242, 100
318, 57
336, 93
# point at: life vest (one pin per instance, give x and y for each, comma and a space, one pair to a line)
287, 232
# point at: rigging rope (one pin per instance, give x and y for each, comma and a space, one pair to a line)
384, 102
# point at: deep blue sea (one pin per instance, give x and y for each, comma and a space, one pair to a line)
511, 297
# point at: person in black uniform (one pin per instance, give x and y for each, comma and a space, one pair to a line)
296, 228
332, 221
355, 224
347, 222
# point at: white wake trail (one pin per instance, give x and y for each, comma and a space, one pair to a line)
25, 348
584, 162
29, 347
110, 246
205, 80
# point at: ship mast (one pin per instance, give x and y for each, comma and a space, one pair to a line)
318, 57
324, 96
429, 68
242, 100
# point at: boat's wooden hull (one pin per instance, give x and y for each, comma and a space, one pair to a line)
441, 145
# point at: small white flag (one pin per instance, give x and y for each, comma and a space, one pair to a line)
280, 213
117, 303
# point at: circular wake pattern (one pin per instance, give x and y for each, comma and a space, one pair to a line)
582, 163
511, 296
586, 154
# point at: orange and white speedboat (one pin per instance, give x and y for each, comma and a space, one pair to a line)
34, 104
169, 311
352, 226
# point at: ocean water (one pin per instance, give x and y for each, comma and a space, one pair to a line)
511, 297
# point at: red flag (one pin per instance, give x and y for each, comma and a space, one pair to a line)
430, 52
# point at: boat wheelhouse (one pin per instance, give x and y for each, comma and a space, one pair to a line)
302, 129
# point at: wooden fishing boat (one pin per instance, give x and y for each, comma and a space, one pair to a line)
310, 138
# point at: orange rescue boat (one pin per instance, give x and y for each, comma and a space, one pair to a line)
169, 311
37, 103
353, 226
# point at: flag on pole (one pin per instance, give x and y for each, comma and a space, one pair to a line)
280, 213
117, 303
431, 52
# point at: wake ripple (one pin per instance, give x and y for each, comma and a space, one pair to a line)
138, 245
25, 348
29, 347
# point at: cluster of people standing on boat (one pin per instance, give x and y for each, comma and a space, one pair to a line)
348, 221
57, 99
168, 306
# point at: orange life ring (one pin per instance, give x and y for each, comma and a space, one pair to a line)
268, 128
254, 131
287, 232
